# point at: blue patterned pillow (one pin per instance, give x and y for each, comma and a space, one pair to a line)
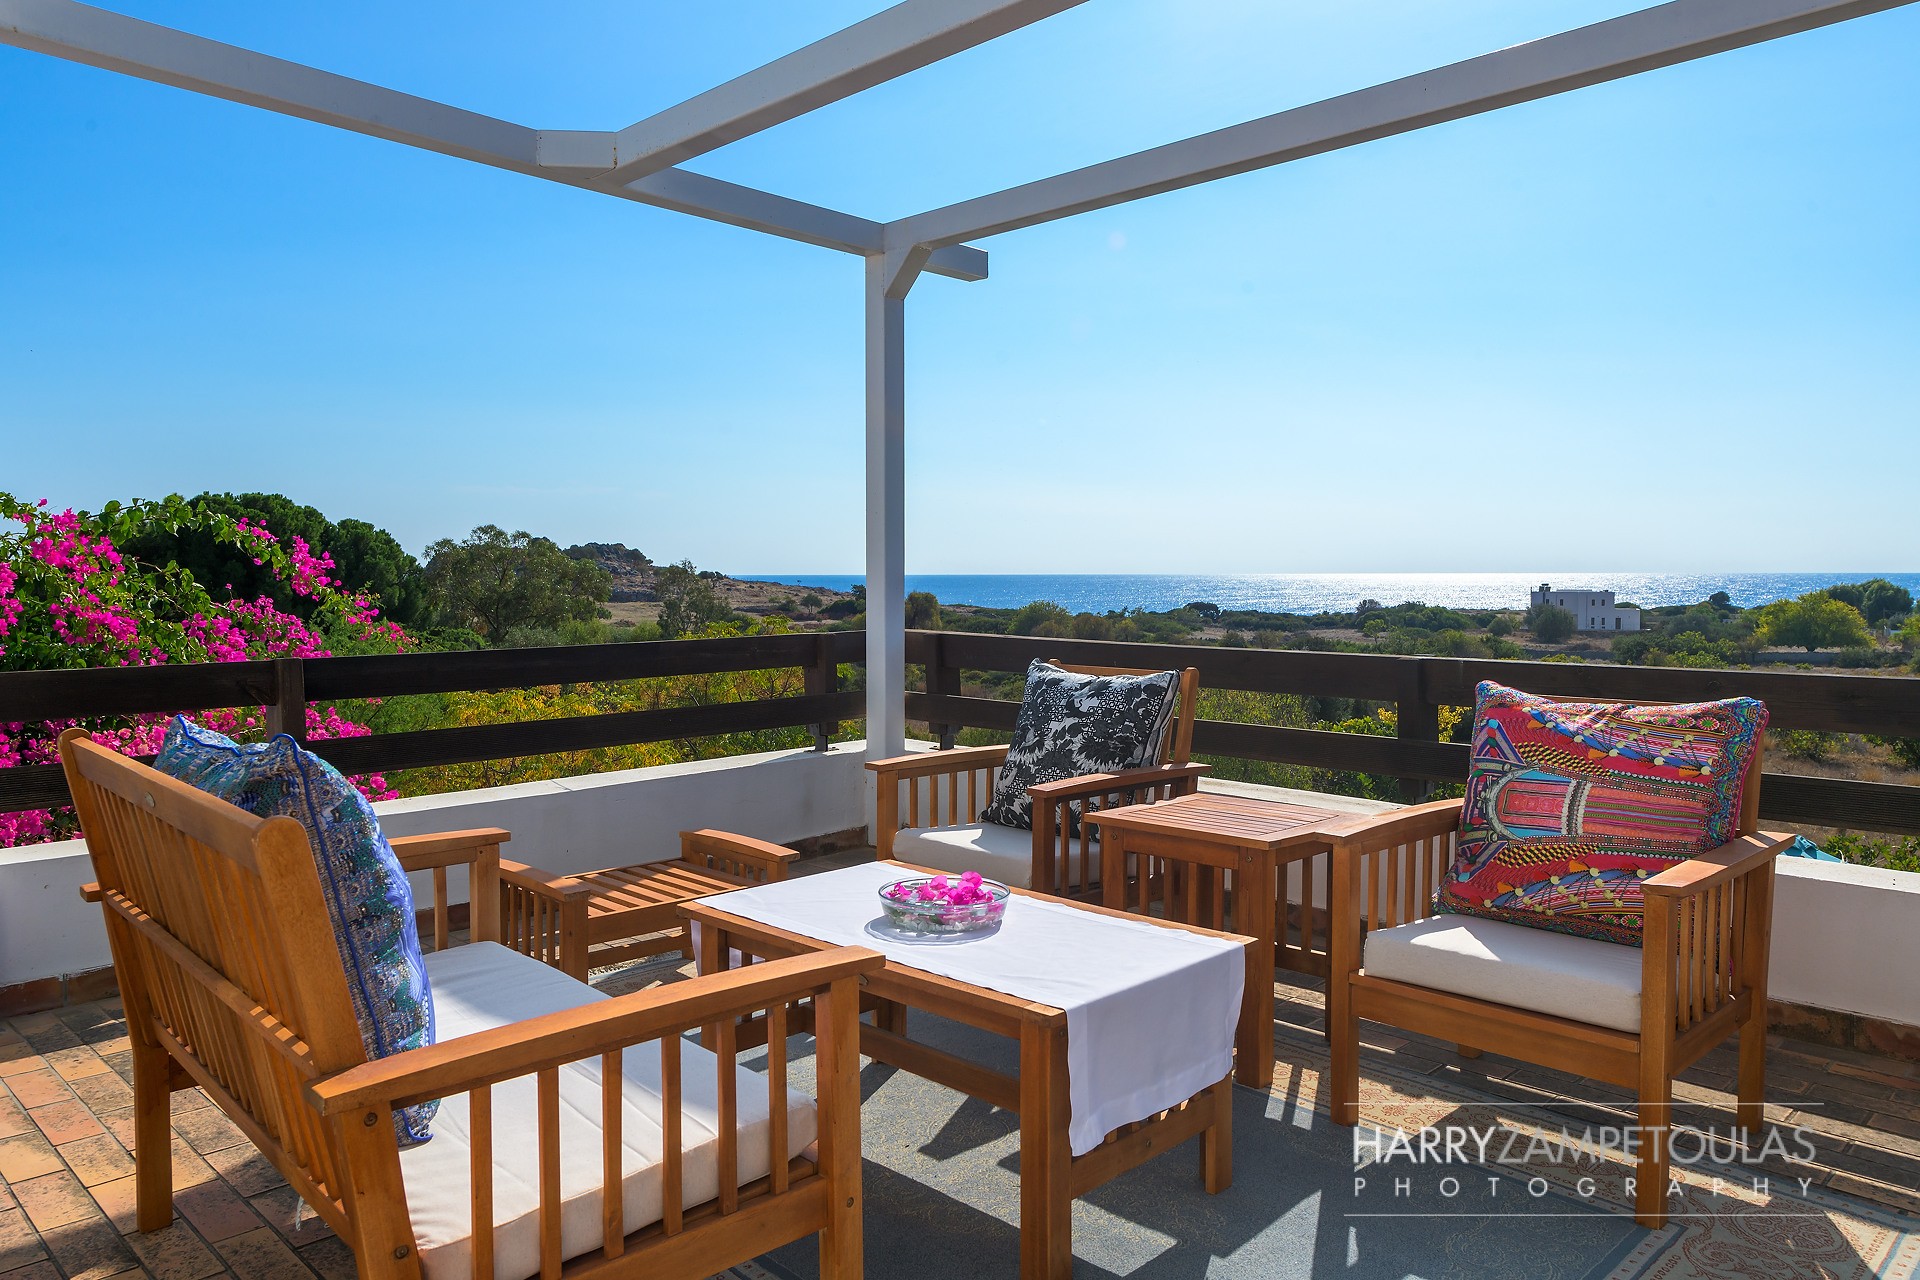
360, 878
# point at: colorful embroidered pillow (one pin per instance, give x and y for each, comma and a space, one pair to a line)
360, 878
1071, 725
1570, 805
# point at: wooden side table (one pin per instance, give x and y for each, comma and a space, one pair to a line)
1188, 849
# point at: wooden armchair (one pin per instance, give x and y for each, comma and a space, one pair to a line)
1641, 1018
1058, 856
634, 911
232, 983
540, 915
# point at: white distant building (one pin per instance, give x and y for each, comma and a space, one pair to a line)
1592, 610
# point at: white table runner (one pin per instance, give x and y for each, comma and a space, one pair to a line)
1150, 1010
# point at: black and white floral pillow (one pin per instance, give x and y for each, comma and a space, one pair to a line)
1071, 725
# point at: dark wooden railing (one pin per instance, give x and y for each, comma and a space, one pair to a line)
1419, 687
285, 687
1416, 687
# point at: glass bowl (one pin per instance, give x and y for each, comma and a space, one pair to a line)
916, 916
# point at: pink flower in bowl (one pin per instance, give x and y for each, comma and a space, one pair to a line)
938, 904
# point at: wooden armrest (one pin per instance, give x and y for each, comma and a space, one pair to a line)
920, 764
445, 848
1367, 832
544, 883
700, 847
502, 1053
90, 892
1095, 784
1730, 861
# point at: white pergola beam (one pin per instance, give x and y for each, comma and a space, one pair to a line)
890, 44
1651, 38
96, 37
99, 38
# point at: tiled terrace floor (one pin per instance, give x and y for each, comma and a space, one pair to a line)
66, 1184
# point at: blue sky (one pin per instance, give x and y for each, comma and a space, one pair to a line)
1667, 323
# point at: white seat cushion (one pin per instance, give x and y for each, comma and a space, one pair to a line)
484, 985
998, 853
1536, 969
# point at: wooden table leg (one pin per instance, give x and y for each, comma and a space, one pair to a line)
1113, 870
713, 958
1216, 1140
1046, 1158
1255, 913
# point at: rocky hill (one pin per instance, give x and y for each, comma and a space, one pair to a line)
635, 575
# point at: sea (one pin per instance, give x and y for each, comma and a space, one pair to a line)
1309, 593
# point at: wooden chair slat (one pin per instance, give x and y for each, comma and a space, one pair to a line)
724, 1047
671, 1160
778, 1156
547, 1088
612, 1154
480, 1179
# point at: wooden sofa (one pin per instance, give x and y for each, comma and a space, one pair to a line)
552, 1094
920, 817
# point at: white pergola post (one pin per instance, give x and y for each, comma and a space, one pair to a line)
889, 277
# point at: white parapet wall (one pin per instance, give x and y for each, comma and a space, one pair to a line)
1846, 938
565, 825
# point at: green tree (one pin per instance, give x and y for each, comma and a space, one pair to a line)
1876, 599
688, 600
923, 611
1550, 623
1040, 618
367, 559
495, 581
1813, 621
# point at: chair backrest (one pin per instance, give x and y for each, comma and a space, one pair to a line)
223, 949
1177, 746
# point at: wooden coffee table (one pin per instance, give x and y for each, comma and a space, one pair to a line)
1186, 851
1051, 1176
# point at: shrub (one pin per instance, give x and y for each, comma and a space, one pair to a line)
1040, 618
1807, 744
1905, 750
1550, 623
70, 597
1896, 853
1813, 621
923, 611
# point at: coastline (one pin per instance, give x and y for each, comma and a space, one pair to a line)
1315, 593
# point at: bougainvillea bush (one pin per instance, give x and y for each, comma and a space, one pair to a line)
70, 597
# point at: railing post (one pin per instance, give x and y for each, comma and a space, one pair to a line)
1419, 721
823, 676
942, 681
287, 713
